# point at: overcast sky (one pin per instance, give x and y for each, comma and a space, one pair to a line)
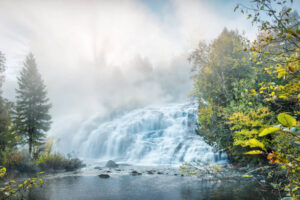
98, 57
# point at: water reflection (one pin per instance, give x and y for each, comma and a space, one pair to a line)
145, 188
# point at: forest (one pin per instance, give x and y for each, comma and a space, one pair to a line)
247, 94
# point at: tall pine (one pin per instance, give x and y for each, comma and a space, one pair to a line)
32, 118
4, 112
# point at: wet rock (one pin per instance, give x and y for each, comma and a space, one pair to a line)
160, 173
108, 171
175, 174
104, 176
150, 172
111, 164
135, 173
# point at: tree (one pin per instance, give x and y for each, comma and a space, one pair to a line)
32, 118
6, 138
220, 68
277, 54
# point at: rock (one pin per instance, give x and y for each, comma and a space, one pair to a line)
98, 168
104, 176
135, 173
111, 164
175, 174
108, 171
160, 173
149, 172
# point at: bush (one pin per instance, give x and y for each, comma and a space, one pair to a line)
57, 161
17, 160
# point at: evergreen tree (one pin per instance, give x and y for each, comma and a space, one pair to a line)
32, 117
4, 115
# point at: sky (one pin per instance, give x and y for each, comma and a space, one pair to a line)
100, 57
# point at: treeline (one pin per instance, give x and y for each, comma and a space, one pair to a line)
25, 122
249, 93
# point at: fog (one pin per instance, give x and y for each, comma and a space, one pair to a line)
104, 57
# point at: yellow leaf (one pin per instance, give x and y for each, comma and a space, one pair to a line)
253, 91
268, 131
254, 152
286, 120
250, 103
255, 143
247, 176
283, 97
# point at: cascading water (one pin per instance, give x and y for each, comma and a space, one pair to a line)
152, 135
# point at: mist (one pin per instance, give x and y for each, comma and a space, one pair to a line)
100, 58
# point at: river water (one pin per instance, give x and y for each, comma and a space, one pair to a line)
146, 187
154, 136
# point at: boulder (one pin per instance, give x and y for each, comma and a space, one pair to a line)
111, 164
135, 173
104, 176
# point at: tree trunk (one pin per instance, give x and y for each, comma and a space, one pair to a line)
30, 145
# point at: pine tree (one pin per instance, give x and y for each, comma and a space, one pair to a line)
32, 118
4, 115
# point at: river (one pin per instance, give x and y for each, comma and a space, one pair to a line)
154, 138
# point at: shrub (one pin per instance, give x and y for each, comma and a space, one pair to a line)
57, 161
17, 160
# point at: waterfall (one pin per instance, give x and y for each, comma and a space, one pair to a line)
151, 135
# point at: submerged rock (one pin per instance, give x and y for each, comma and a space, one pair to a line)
135, 173
111, 164
104, 176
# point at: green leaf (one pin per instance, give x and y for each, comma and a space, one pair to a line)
286, 120
268, 131
254, 152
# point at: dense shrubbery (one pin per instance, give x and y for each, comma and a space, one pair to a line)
22, 162
58, 162
249, 93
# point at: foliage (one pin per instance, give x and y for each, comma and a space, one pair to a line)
32, 119
249, 92
205, 170
8, 137
219, 67
276, 54
58, 162
14, 190
17, 160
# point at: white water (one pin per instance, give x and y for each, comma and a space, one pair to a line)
152, 135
